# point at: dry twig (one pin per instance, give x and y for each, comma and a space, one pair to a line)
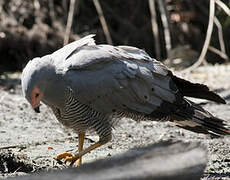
51, 9
155, 28
223, 6
69, 21
218, 52
13, 146
165, 25
37, 12
220, 34
207, 39
103, 22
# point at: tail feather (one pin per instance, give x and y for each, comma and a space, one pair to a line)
196, 90
196, 119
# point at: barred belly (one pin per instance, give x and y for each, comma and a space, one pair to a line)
138, 116
81, 117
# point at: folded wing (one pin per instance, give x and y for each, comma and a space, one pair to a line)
112, 78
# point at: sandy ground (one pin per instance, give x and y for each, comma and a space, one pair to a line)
29, 142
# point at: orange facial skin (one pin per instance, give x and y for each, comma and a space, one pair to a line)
36, 96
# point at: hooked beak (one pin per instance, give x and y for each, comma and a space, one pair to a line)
37, 109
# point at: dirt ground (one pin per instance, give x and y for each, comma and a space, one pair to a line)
29, 142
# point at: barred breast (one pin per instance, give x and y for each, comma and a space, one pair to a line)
81, 117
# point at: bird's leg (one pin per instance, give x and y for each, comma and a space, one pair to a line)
81, 137
72, 159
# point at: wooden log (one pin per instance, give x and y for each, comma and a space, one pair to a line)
162, 161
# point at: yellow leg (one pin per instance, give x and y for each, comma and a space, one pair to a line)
72, 158
81, 138
75, 157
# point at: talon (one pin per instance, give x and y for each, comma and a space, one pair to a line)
71, 159
78, 162
64, 155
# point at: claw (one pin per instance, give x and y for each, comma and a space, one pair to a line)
72, 159
68, 157
78, 162
78, 157
64, 155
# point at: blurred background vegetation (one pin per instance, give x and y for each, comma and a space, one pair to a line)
173, 31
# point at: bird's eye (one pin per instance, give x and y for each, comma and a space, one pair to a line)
36, 95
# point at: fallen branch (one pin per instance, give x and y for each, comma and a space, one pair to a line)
165, 160
207, 39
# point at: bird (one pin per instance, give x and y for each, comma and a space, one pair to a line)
90, 87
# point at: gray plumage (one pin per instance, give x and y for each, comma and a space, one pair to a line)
90, 86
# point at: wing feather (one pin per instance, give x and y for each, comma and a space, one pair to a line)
70, 48
109, 78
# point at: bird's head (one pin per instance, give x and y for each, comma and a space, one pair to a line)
35, 77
